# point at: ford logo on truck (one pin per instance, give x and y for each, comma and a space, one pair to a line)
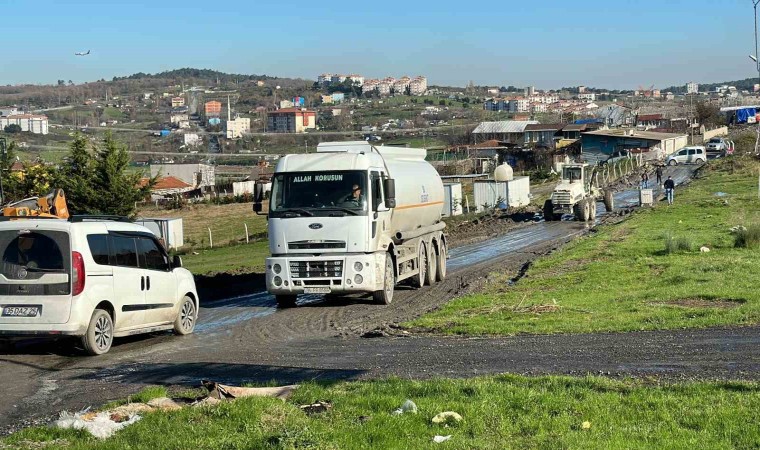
315, 226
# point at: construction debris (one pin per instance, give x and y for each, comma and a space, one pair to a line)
316, 408
101, 425
223, 392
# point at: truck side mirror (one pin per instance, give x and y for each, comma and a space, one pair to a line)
389, 186
258, 197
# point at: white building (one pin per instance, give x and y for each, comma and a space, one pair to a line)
590, 96
356, 79
191, 139
337, 78
692, 87
418, 85
236, 128
519, 105
197, 175
324, 78
539, 107
177, 118
28, 122
8, 111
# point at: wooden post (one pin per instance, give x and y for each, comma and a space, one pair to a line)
210, 239
246, 233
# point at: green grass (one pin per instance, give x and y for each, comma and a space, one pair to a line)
243, 258
498, 412
748, 237
622, 278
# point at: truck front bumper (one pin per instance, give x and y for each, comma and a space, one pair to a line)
325, 274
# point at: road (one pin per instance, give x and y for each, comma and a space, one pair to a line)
246, 339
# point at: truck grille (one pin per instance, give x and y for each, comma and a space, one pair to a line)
311, 245
316, 269
561, 198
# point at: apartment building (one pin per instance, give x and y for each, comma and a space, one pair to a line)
692, 88
291, 120
590, 96
237, 127
178, 101
519, 105
28, 122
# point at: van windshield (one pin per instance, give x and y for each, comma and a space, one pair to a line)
316, 191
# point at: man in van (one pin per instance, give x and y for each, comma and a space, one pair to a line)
670, 185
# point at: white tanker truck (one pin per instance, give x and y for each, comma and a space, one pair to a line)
351, 218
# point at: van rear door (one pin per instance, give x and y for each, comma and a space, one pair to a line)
35, 276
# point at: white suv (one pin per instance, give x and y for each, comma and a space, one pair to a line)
92, 278
687, 155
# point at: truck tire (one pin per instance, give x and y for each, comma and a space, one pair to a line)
592, 209
581, 211
548, 210
440, 274
431, 271
609, 201
185, 321
98, 338
385, 297
286, 301
419, 280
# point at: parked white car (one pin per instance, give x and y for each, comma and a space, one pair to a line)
688, 155
91, 278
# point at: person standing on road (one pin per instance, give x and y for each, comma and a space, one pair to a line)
670, 185
658, 172
645, 180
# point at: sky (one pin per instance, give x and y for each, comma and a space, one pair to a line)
614, 44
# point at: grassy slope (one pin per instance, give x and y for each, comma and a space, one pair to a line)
499, 412
244, 258
622, 279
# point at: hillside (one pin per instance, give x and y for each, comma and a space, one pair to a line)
745, 84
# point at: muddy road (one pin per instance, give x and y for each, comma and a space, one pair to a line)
245, 339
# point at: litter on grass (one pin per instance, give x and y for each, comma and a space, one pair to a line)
223, 392
586, 425
101, 425
438, 438
408, 407
447, 417
316, 408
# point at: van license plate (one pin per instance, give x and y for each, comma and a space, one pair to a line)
21, 311
316, 290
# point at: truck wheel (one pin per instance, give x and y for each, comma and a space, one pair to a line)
440, 273
98, 338
431, 270
419, 280
609, 201
385, 297
286, 301
581, 211
548, 211
185, 321
592, 209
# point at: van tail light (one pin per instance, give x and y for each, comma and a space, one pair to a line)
78, 275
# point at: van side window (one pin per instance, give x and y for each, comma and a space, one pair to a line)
683, 152
99, 248
692, 151
151, 256
123, 250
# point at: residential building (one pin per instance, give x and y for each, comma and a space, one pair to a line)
581, 89
200, 176
508, 131
370, 85
177, 118
519, 105
166, 187
614, 116
9, 111
191, 139
692, 88
669, 96
237, 127
178, 101
493, 91
356, 79
400, 85
287, 103
327, 100
338, 97
337, 78
539, 107
28, 122
647, 121
496, 104
656, 93
598, 145
212, 108
385, 86
418, 85
530, 91
590, 96
291, 120
324, 79
543, 135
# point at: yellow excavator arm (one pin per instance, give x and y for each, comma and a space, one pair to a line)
52, 205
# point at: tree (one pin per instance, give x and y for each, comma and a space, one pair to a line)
12, 128
708, 114
74, 176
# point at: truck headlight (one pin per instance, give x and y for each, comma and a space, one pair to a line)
358, 279
358, 266
277, 268
277, 281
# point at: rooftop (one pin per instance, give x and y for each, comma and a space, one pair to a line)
166, 183
505, 126
544, 127
627, 132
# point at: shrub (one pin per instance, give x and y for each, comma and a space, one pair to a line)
747, 237
675, 244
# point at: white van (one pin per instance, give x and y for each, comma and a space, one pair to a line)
688, 155
92, 278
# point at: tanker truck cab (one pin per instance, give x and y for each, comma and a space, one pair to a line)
353, 218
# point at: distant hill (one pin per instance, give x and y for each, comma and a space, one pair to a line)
197, 74
745, 84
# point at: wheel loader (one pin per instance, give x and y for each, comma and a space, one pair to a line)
52, 205
577, 194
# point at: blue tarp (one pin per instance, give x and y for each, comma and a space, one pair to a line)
586, 121
743, 114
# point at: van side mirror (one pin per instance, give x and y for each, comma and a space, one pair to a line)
389, 186
176, 261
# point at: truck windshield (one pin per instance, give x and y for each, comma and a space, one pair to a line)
571, 173
310, 191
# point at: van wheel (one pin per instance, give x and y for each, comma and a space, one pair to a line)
700, 161
286, 301
419, 280
99, 336
672, 162
440, 274
185, 322
385, 297
431, 272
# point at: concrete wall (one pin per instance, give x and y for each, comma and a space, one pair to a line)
722, 131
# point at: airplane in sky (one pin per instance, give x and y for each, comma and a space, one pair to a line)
82, 53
